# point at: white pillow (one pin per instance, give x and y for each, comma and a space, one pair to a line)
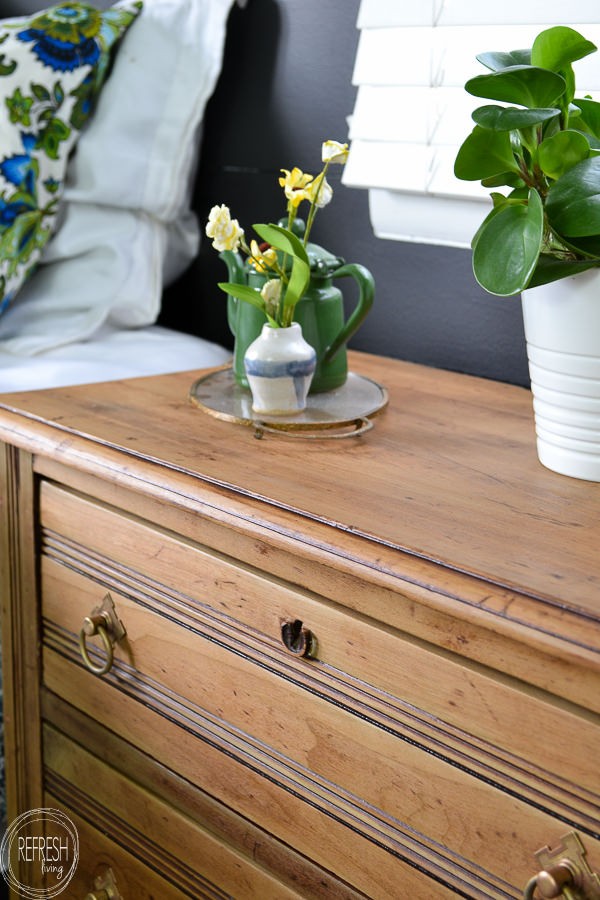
128, 228
52, 67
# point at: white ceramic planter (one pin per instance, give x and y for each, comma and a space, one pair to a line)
562, 328
279, 366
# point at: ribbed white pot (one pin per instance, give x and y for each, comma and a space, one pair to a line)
562, 328
279, 366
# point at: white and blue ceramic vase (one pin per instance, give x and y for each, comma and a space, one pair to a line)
279, 366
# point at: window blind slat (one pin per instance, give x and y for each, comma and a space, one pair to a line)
412, 113
383, 13
407, 167
447, 56
423, 219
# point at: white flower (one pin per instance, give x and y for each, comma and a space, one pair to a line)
334, 152
323, 191
225, 231
271, 292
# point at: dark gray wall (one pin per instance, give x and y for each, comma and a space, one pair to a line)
285, 87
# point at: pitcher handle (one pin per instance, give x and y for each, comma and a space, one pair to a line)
366, 287
236, 273
232, 305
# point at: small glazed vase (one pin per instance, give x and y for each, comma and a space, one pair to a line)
279, 367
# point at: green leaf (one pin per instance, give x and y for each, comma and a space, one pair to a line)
286, 241
59, 94
562, 151
504, 178
583, 246
525, 85
558, 47
17, 241
498, 60
550, 268
485, 154
6, 68
40, 92
243, 292
54, 132
511, 118
573, 202
507, 249
589, 120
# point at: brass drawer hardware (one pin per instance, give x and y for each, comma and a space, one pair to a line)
298, 639
103, 620
565, 873
105, 888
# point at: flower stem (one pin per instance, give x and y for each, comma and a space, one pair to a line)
313, 206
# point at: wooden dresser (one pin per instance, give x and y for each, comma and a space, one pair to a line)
444, 724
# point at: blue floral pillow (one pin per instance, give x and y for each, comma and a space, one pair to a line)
52, 67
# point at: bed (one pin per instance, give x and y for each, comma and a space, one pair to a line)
83, 307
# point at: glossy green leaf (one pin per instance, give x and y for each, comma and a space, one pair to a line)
485, 154
562, 151
499, 60
573, 202
583, 246
589, 120
526, 85
507, 250
511, 118
243, 292
558, 47
550, 268
286, 241
510, 179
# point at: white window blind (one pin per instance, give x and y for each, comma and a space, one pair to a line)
412, 112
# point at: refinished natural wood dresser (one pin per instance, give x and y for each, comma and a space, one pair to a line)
445, 723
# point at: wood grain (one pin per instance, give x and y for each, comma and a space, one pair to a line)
448, 725
449, 472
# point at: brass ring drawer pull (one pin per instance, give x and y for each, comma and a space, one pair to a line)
105, 888
298, 639
102, 621
549, 883
565, 873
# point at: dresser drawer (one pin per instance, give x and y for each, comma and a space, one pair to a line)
390, 749
153, 850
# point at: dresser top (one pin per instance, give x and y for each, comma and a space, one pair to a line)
448, 475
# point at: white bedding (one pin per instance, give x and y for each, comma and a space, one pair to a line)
112, 354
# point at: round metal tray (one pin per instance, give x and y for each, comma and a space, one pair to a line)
343, 412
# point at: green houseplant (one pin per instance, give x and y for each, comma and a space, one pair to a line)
542, 236
543, 144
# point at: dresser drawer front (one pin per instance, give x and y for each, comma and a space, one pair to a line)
407, 757
153, 850
132, 557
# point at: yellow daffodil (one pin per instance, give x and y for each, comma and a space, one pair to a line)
225, 231
282, 259
294, 184
334, 152
262, 261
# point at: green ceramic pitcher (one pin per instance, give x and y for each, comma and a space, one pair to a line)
320, 313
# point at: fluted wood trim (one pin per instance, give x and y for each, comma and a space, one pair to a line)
21, 648
517, 776
242, 834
